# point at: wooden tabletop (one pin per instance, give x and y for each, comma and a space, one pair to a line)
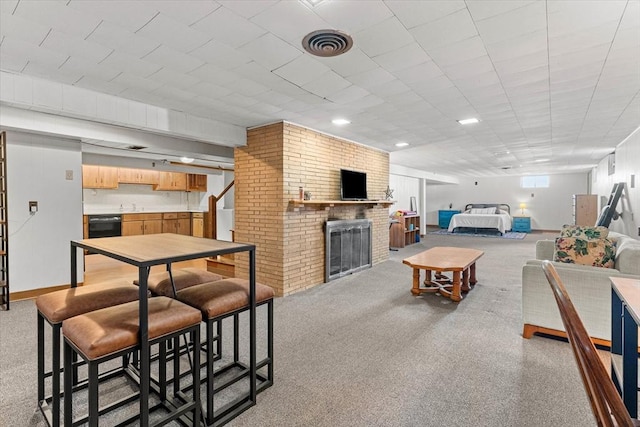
444, 258
629, 291
151, 249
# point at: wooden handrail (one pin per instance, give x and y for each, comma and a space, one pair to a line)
606, 403
211, 218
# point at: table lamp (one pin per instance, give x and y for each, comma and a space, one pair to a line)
523, 206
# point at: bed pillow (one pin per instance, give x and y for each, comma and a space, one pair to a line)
594, 252
584, 232
502, 212
483, 210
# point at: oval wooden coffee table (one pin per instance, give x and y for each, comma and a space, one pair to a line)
438, 260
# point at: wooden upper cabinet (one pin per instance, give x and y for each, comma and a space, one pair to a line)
137, 176
99, 177
196, 182
172, 181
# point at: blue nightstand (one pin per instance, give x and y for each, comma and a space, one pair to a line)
521, 224
444, 217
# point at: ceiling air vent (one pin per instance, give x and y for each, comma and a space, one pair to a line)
327, 43
136, 147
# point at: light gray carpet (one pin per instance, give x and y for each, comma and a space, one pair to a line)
362, 351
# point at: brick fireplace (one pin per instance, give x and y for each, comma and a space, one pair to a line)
277, 160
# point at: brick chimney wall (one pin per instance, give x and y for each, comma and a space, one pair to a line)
277, 160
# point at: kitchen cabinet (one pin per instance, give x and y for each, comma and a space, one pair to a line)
99, 176
177, 222
137, 224
196, 182
171, 181
137, 176
197, 224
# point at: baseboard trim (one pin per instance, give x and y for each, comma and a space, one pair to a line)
35, 293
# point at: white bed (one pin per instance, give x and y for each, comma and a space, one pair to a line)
483, 216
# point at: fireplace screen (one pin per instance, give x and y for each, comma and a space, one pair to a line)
347, 247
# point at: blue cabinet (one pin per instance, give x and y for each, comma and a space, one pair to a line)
521, 224
445, 216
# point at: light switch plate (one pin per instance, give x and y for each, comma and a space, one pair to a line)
69, 175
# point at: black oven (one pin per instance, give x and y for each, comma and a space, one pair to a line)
105, 226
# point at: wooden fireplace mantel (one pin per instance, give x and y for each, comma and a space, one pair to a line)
330, 203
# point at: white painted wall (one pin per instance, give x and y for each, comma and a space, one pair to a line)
549, 208
39, 244
627, 164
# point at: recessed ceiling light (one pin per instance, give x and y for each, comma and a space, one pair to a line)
468, 121
186, 159
541, 160
402, 144
340, 122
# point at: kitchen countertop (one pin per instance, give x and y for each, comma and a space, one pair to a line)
140, 211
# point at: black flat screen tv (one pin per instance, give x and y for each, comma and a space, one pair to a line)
353, 185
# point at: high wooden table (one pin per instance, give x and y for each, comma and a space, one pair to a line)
625, 319
155, 249
459, 261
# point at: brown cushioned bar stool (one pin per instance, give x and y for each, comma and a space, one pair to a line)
55, 307
105, 334
160, 283
217, 301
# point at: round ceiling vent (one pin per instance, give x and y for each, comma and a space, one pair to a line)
327, 43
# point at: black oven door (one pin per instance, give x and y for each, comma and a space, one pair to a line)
105, 226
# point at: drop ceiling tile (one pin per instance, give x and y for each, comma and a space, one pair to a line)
173, 78
10, 62
580, 40
33, 53
445, 31
270, 51
486, 9
173, 59
348, 16
273, 98
467, 69
383, 37
371, 78
132, 81
186, 11
125, 13
118, 38
414, 13
213, 74
348, 95
517, 22
519, 46
302, 70
523, 63
249, 88
247, 8
101, 86
62, 43
209, 90
89, 68
300, 21
569, 17
130, 64
16, 27
460, 52
174, 93
225, 26
405, 57
58, 16
353, 62
143, 96
327, 84
173, 33
419, 73
220, 54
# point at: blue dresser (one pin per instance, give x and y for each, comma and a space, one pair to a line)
445, 216
521, 224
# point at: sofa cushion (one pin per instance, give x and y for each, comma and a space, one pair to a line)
595, 252
628, 255
584, 232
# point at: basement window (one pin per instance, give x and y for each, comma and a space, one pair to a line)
537, 181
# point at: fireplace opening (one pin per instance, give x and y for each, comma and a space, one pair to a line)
347, 247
